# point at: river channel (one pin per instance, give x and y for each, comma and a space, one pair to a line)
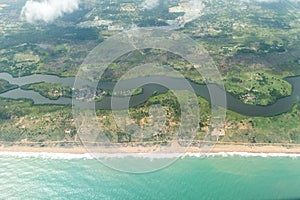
280, 106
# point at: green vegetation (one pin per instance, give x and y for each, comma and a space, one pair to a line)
19, 120
50, 90
156, 57
19, 62
5, 86
62, 59
141, 116
257, 87
255, 45
278, 129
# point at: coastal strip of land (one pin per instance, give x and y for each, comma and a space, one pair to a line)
220, 147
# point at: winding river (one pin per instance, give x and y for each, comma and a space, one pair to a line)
280, 106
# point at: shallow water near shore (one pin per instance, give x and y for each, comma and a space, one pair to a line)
219, 176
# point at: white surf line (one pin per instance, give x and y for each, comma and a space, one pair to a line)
46, 155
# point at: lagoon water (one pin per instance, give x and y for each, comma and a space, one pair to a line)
280, 106
215, 177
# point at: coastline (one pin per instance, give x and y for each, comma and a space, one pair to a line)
218, 149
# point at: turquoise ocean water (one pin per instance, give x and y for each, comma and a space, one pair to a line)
218, 177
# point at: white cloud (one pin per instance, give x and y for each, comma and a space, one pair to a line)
192, 10
47, 10
150, 4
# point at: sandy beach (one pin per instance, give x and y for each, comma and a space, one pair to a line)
80, 149
53, 149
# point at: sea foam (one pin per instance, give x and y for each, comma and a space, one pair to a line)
46, 155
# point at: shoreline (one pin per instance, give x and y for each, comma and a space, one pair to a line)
218, 149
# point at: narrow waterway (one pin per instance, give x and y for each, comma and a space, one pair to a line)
280, 106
